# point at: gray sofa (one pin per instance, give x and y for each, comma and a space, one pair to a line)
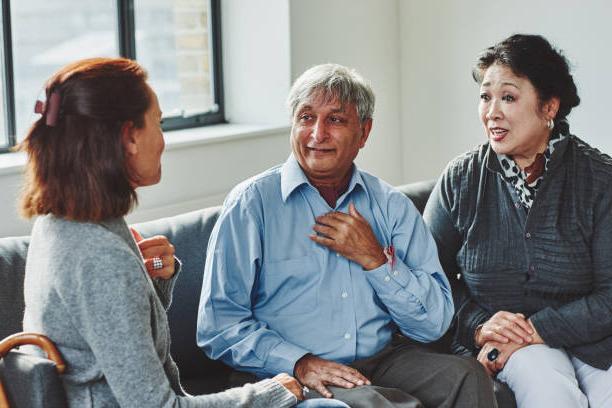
189, 233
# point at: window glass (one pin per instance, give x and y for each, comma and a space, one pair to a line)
4, 140
49, 34
172, 43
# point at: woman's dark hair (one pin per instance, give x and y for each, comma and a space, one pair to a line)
532, 57
76, 161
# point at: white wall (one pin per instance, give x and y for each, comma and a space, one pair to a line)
418, 56
10, 186
256, 60
363, 34
267, 43
201, 165
440, 41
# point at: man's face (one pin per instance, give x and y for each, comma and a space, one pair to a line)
326, 137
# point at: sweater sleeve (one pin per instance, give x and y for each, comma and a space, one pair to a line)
448, 239
110, 302
164, 287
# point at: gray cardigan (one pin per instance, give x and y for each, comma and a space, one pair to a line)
86, 288
553, 264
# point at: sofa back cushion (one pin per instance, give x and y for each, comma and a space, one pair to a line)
418, 192
189, 234
13, 252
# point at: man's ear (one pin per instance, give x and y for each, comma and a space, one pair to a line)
366, 127
128, 139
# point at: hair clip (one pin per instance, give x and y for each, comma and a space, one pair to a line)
50, 109
39, 107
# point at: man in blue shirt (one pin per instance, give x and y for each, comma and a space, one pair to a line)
315, 265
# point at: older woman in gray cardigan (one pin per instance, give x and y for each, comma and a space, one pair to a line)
526, 221
86, 285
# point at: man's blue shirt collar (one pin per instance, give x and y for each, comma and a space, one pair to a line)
292, 177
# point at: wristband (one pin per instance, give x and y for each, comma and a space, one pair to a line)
390, 254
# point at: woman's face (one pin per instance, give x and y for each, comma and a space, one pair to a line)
514, 120
145, 146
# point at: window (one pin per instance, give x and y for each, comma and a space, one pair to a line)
177, 41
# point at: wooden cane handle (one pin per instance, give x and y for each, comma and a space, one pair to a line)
20, 339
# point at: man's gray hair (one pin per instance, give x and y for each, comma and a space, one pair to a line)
335, 82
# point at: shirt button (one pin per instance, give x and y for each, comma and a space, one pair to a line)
395, 273
344, 295
337, 254
528, 235
387, 278
347, 335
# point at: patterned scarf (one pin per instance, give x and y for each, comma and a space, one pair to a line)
526, 182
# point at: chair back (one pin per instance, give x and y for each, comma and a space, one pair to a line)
27, 380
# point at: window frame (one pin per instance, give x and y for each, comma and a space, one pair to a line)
127, 48
8, 97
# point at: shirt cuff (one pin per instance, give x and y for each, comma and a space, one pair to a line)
385, 277
165, 287
283, 357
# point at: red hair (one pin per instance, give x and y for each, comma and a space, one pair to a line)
77, 168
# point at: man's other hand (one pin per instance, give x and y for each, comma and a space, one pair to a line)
351, 236
315, 373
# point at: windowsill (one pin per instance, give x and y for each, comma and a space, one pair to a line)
175, 139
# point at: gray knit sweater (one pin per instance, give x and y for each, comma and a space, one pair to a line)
86, 288
553, 264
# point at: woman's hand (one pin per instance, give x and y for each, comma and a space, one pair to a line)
536, 336
153, 250
291, 384
505, 350
504, 327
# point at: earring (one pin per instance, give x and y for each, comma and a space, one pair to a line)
550, 124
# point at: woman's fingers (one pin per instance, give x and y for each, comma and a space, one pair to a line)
505, 326
487, 335
165, 272
482, 359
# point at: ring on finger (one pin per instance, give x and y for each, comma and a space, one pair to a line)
157, 263
493, 354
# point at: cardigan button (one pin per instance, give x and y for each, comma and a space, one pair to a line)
528, 235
